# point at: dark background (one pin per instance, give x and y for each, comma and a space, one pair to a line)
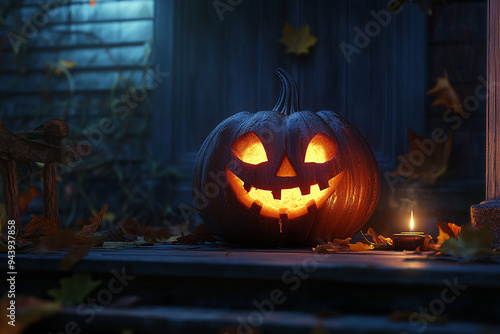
143, 167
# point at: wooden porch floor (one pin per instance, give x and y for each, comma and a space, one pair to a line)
211, 289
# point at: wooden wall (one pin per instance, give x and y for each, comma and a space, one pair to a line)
457, 44
111, 44
222, 67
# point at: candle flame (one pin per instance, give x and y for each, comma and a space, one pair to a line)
411, 221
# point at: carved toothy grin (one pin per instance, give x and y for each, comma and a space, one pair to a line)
292, 203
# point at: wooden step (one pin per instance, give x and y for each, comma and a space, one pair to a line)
222, 321
226, 283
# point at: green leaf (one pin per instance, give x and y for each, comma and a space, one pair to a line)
74, 289
470, 245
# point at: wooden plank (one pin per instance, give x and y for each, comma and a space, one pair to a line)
323, 73
95, 79
212, 261
172, 319
463, 62
493, 108
99, 57
93, 34
84, 12
459, 21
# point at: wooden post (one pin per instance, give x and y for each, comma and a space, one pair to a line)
488, 212
54, 131
9, 171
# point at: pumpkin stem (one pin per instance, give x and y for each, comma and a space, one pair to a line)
288, 102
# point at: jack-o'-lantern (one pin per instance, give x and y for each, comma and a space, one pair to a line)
285, 177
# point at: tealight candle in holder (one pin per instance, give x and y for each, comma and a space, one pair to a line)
408, 240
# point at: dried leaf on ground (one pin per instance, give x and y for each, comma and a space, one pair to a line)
430, 159
331, 247
297, 41
75, 255
360, 247
379, 241
200, 235
41, 226
29, 310
470, 245
446, 95
74, 289
90, 229
443, 236
26, 198
450, 228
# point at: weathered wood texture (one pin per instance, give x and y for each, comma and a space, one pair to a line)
169, 288
219, 68
457, 45
493, 110
110, 43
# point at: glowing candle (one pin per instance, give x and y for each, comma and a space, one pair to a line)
408, 240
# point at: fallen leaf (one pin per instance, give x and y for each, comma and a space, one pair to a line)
446, 95
429, 163
443, 236
426, 244
371, 232
360, 247
297, 41
90, 229
29, 310
62, 239
26, 197
41, 226
331, 247
75, 255
379, 241
74, 289
201, 234
63, 65
470, 245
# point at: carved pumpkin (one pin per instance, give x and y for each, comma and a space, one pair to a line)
285, 177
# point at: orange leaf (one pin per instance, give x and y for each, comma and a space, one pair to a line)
456, 229
26, 198
360, 247
92, 2
435, 158
371, 232
443, 236
446, 95
29, 310
40, 226
90, 229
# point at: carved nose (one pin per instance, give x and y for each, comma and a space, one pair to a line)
286, 168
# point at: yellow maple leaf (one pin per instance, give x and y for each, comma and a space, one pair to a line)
446, 95
297, 41
360, 247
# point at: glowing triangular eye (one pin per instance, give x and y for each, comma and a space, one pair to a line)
321, 149
248, 148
